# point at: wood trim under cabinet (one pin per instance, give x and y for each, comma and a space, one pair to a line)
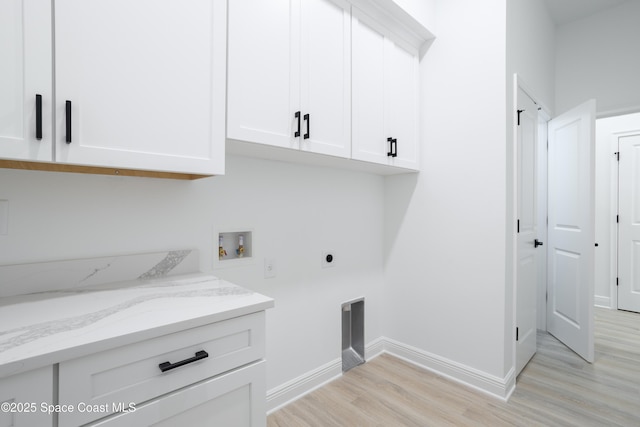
95, 170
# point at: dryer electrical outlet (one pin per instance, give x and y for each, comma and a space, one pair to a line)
328, 259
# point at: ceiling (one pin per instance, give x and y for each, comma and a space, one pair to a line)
563, 11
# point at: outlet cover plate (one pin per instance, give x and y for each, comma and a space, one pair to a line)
270, 270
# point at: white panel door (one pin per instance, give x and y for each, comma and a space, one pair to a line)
143, 95
25, 72
264, 72
629, 223
571, 229
326, 77
527, 231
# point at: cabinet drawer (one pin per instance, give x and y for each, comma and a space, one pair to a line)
235, 399
100, 384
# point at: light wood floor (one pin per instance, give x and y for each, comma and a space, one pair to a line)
557, 388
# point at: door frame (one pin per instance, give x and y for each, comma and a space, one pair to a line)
609, 134
615, 203
543, 117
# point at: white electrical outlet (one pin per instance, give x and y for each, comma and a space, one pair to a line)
328, 259
269, 268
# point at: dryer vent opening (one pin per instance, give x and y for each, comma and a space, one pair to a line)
352, 334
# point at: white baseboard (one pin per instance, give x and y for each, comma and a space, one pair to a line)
600, 301
500, 388
304, 384
374, 348
481, 381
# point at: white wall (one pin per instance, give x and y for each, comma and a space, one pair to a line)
597, 57
445, 228
531, 38
295, 211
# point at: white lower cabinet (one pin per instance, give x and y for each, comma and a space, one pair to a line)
192, 377
211, 375
26, 398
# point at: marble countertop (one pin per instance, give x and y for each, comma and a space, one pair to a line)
45, 328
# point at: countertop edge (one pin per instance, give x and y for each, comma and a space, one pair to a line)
49, 359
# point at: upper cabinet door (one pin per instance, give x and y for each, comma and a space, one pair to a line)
385, 96
369, 142
401, 103
326, 77
289, 74
141, 94
25, 49
263, 72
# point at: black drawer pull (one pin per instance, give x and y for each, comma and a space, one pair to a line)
38, 117
167, 366
297, 116
67, 108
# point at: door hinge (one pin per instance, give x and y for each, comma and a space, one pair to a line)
546, 296
617, 219
617, 153
616, 281
519, 111
517, 333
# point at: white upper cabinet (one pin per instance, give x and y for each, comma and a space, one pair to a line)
25, 80
385, 96
289, 76
140, 85
326, 77
263, 81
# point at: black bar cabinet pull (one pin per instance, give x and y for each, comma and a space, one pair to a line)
393, 147
68, 121
38, 117
308, 120
537, 243
297, 133
167, 366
